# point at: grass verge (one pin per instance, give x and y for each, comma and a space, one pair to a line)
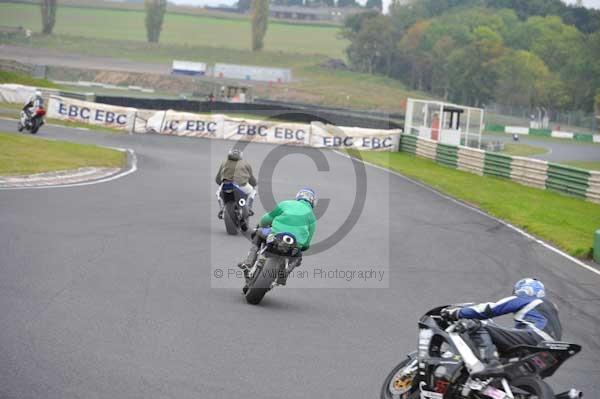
21, 155
589, 165
523, 150
567, 222
23, 79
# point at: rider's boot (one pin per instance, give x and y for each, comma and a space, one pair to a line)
250, 258
221, 205
250, 203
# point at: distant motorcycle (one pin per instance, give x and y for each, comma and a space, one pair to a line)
443, 365
274, 256
32, 123
236, 212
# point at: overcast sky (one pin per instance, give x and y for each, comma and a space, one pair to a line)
588, 3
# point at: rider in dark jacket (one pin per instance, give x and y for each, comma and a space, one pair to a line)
536, 320
239, 171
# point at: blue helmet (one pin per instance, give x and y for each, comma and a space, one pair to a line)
308, 195
529, 287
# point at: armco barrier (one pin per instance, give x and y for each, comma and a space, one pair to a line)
540, 132
593, 192
447, 155
526, 171
568, 180
497, 165
471, 160
408, 144
529, 172
427, 149
588, 138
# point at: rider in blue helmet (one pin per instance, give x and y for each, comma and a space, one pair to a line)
536, 320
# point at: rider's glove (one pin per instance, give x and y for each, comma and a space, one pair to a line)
450, 314
467, 325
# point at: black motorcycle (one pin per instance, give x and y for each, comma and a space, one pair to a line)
236, 211
33, 122
442, 366
274, 259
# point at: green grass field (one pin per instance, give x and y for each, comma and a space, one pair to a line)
590, 165
20, 155
523, 150
21, 78
565, 221
178, 29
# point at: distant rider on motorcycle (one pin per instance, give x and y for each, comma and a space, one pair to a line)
239, 171
35, 101
536, 320
294, 217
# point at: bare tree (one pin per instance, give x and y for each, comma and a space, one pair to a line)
48, 16
260, 20
155, 14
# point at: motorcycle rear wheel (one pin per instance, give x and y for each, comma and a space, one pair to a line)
230, 219
535, 386
35, 125
261, 281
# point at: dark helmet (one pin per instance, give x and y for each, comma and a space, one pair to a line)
234, 154
308, 195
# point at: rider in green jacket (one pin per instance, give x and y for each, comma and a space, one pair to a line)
295, 217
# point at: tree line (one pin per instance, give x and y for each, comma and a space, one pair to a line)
475, 52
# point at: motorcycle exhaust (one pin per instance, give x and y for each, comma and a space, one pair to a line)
570, 394
242, 202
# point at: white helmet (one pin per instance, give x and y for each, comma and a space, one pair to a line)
308, 195
38, 93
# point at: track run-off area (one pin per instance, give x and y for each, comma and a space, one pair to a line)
112, 290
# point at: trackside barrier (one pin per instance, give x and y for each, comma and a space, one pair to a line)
497, 165
408, 144
447, 155
219, 126
568, 180
587, 138
471, 160
593, 192
427, 149
530, 172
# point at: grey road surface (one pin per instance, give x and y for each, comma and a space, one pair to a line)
557, 149
44, 56
109, 290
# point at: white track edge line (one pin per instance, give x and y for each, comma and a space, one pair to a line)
124, 173
481, 212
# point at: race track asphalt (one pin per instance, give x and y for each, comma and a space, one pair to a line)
109, 290
558, 150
